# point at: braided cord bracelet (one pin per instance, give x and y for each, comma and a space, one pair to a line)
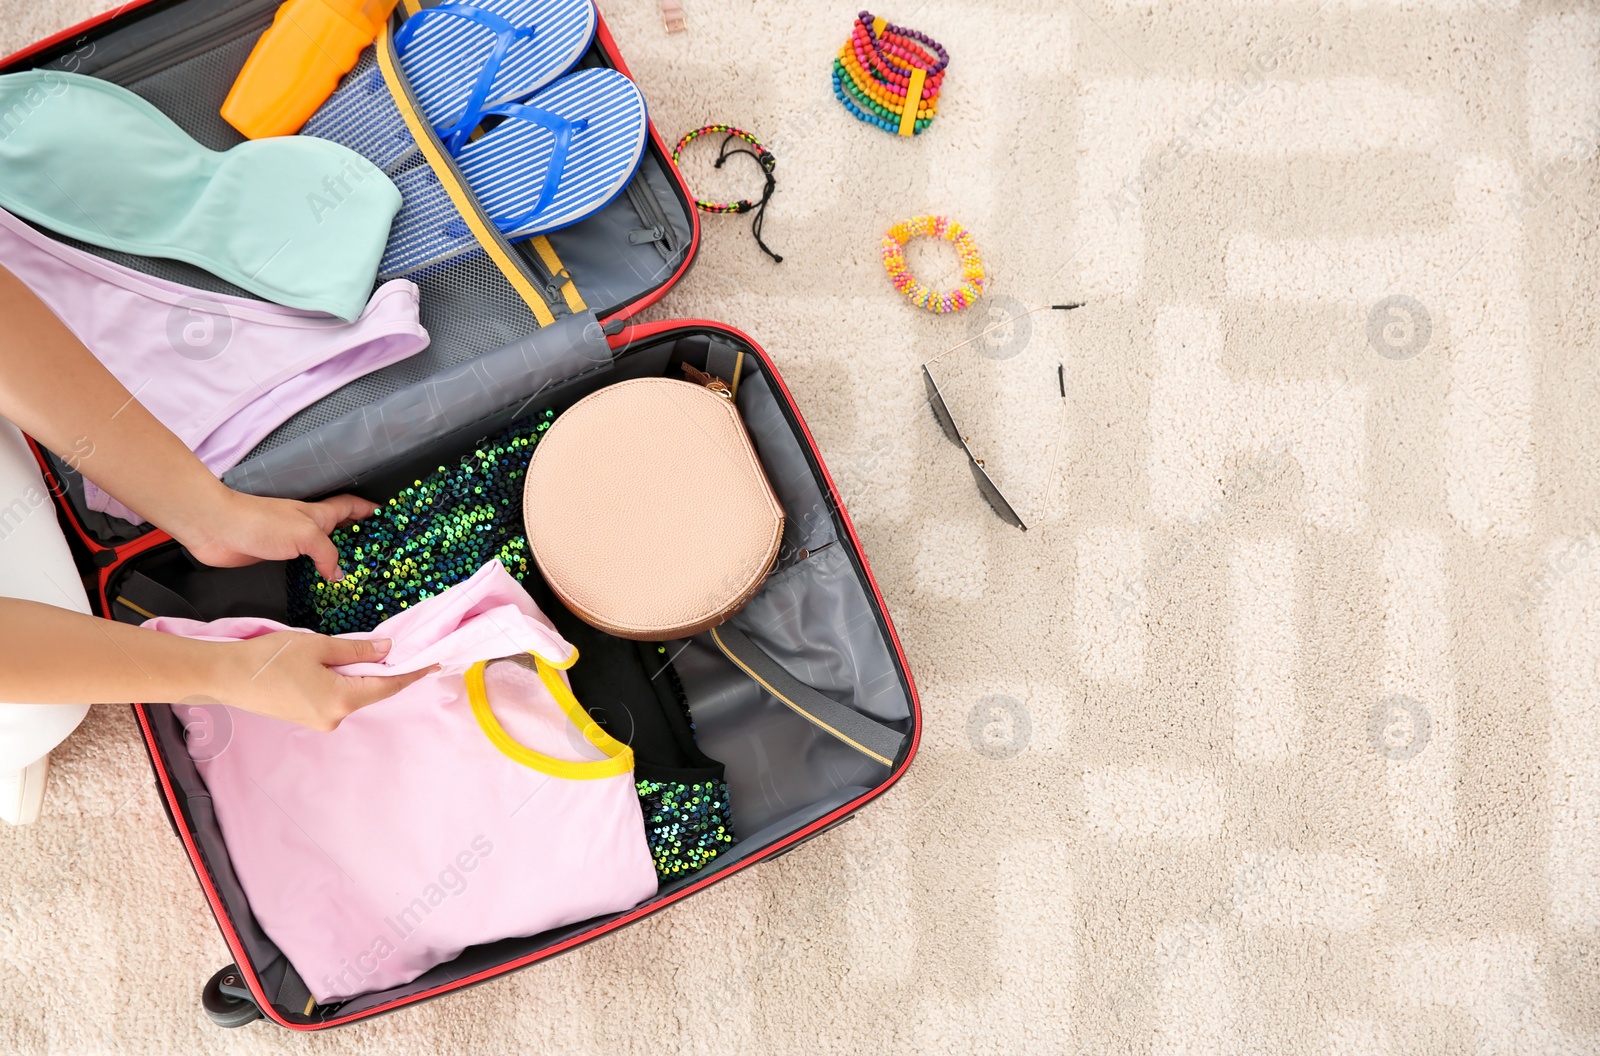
764, 157
918, 292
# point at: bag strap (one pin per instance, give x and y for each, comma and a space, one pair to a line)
293, 993
863, 733
505, 34
725, 361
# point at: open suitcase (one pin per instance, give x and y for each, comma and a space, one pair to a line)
519, 329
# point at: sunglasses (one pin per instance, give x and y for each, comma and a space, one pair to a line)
941, 411
986, 485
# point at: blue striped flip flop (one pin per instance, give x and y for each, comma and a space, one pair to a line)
509, 170
462, 58
427, 231
561, 156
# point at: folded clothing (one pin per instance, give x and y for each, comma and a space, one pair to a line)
453, 520
220, 372
477, 804
297, 220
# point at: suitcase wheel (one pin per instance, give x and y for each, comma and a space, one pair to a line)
226, 1000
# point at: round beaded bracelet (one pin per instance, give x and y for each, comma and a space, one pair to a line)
764, 157
917, 292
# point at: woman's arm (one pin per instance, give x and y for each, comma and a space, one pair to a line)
56, 391
53, 388
50, 655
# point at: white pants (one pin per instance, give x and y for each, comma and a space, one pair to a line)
35, 565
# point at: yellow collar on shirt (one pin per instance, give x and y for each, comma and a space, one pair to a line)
620, 756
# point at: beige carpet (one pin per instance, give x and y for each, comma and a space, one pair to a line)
1279, 732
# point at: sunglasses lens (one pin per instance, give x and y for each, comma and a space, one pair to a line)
940, 411
992, 495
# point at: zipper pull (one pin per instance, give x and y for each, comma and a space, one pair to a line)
715, 384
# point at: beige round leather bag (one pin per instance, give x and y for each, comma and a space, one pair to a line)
648, 511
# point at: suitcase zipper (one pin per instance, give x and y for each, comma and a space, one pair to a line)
545, 278
657, 229
539, 294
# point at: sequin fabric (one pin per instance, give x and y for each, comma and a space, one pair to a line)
685, 824
438, 531
429, 537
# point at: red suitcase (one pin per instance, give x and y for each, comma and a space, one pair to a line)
521, 327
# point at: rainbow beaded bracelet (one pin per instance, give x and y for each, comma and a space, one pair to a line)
894, 262
889, 76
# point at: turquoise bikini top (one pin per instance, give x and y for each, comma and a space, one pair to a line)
295, 220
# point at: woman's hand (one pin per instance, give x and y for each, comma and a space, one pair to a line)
50, 655
286, 675
230, 528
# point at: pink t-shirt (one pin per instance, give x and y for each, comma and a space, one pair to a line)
478, 804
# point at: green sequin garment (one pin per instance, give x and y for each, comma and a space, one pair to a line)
438, 531
432, 535
686, 824
687, 820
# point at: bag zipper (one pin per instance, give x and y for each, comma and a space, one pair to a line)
547, 281
657, 229
191, 41
710, 381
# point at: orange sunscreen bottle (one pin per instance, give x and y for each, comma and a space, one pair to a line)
298, 61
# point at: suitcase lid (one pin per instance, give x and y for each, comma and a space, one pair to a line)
504, 325
610, 266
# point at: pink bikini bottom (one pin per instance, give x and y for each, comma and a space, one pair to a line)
221, 372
